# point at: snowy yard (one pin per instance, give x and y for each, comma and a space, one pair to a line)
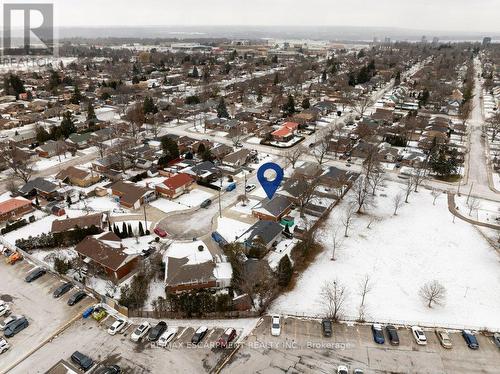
401, 253
45, 163
230, 229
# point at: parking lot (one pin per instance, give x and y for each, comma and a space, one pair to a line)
45, 314
301, 348
91, 338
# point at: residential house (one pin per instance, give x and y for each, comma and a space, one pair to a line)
15, 208
237, 159
78, 177
175, 185
97, 220
274, 209
106, 252
51, 148
131, 195
262, 235
205, 172
286, 132
41, 187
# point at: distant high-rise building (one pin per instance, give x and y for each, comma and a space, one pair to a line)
486, 40
387, 40
435, 40
375, 40
424, 39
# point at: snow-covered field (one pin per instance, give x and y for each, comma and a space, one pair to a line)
401, 253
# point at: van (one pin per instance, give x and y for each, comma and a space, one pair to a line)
84, 362
231, 187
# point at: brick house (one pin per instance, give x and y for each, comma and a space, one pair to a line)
175, 185
131, 195
14, 208
274, 209
78, 177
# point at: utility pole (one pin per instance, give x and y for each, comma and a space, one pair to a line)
145, 218
245, 174
220, 204
470, 191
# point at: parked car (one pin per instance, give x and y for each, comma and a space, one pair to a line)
140, 331
250, 187
84, 362
167, 336
199, 334
7, 321
342, 370
4, 309
378, 333
16, 326
155, 332
444, 338
275, 325
148, 252
110, 369
76, 297
470, 339
358, 371
6, 252
4, 345
62, 289
14, 257
230, 187
419, 335
99, 313
117, 326
326, 326
35, 274
392, 333
496, 339
226, 338
206, 203
160, 232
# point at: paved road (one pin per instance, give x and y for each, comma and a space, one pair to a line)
301, 348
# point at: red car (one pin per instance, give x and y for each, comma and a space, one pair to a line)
160, 232
226, 338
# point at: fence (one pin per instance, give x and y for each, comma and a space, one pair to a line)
177, 315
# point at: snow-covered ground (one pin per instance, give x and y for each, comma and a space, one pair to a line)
478, 209
45, 163
167, 206
194, 198
400, 254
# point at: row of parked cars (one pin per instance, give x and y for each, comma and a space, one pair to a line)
60, 290
10, 326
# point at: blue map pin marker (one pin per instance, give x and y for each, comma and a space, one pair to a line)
270, 187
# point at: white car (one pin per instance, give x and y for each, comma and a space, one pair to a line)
4, 308
4, 345
250, 187
342, 370
140, 331
8, 320
117, 326
275, 325
167, 336
419, 335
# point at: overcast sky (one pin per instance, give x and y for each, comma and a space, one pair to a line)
439, 15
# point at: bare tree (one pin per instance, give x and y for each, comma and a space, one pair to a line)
243, 199
337, 240
408, 188
293, 155
12, 186
321, 146
365, 287
362, 104
21, 166
419, 175
361, 195
397, 202
435, 194
333, 297
473, 204
433, 292
348, 217
493, 125
307, 188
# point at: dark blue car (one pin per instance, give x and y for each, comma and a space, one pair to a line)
378, 333
470, 339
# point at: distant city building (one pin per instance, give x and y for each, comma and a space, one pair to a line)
435, 40
424, 39
387, 40
487, 40
375, 40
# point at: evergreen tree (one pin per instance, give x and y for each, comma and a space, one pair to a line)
289, 107
42, 135
221, 109
148, 106
170, 149
67, 125
323, 76
141, 229
285, 271
124, 230
116, 230
54, 80
195, 73
91, 117
201, 150
305, 103
276, 80
76, 97
130, 231
135, 80
109, 226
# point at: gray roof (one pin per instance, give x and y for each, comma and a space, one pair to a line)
267, 231
38, 184
276, 206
